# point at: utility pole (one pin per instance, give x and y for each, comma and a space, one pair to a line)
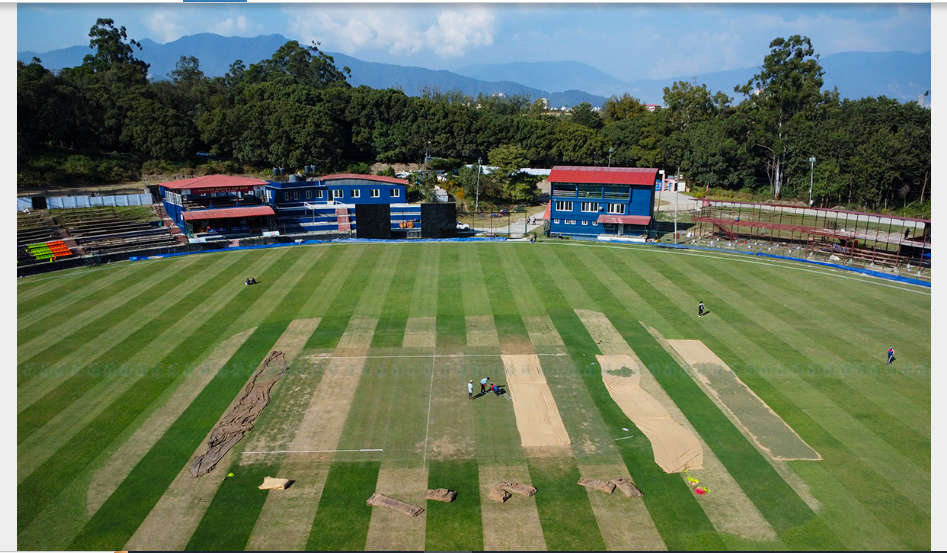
676, 199
477, 201
811, 167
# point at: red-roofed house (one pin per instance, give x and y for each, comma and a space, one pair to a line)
587, 202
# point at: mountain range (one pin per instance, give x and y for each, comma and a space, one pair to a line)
903, 76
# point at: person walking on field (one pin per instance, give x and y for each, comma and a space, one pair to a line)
890, 355
483, 385
470, 390
700, 309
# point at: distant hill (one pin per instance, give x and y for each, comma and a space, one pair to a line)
900, 75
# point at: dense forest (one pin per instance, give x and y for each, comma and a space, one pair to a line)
105, 121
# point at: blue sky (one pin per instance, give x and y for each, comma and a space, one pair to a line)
627, 41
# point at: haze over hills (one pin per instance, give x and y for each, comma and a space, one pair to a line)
900, 75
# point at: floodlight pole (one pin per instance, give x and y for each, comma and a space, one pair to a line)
676, 199
661, 171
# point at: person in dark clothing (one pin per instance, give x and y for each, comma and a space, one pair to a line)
700, 309
890, 355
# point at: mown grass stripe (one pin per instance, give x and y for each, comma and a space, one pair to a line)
66, 338
397, 305
866, 423
81, 295
425, 282
810, 431
451, 323
372, 304
35, 491
499, 285
344, 259
231, 515
46, 377
866, 323
139, 330
389, 333
476, 301
454, 526
564, 509
343, 301
115, 522
37, 290
672, 506
155, 379
777, 502
54, 401
342, 519
870, 414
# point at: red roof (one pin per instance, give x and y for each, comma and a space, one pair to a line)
603, 175
228, 213
625, 219
376, 178
214, 181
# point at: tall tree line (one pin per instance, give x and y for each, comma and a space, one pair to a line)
297, 108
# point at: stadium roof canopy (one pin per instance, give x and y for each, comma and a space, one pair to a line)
376, 178
215, 183
603, 175
624, 219
228, 213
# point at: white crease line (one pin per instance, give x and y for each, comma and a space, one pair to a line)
310, 451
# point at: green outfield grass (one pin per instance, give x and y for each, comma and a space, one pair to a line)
105, 352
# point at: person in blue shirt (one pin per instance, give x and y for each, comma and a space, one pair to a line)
890, 355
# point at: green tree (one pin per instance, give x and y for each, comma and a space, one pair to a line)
583, 114
509, 158
785, 92
619, 108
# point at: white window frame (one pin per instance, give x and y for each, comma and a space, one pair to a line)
356, 193
564, 205
337, 193
375, 193
585, 223
395, 192
589, 207
318, 194
556, 221
616, 209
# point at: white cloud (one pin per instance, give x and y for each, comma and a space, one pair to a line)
166, 25
240, 25
397, 30
456, 32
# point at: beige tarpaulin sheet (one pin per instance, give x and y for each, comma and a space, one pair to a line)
270, 483
675, 448
537, 417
